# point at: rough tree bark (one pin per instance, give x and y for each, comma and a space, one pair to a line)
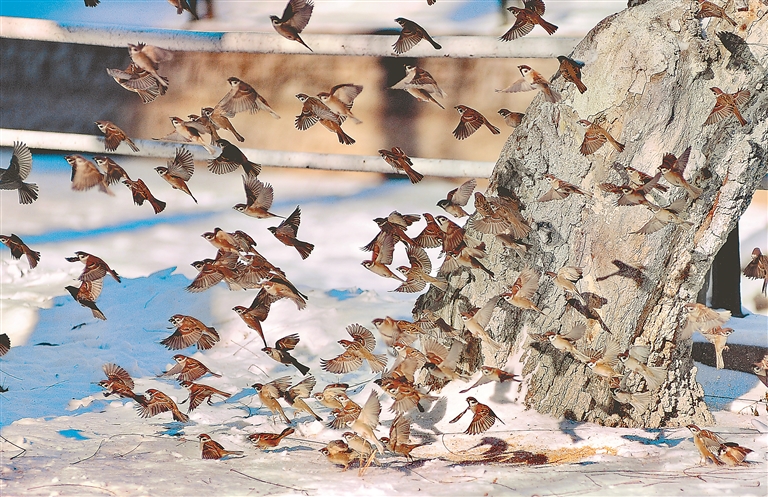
649, 70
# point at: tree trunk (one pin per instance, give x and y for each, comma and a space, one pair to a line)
649, 70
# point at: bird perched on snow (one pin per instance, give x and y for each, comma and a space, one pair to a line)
295, 18
532, 80
708, 444
360, 348
758, 268
18, 170
411, 35
212, 449
269, 440
526, 18
19, 248
420, 84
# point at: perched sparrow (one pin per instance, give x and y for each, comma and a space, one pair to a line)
410, 36
338, 452
118, 382
483, 417
211, 449
5, 344
383, 249
523, 289
560, 189
243, 98
709, 9
156, 402
188, 132
532, 80
113, 172
230, 159
489, 374
95, 268
358, 349
526, 18
258, 198
269, 394
141, 192
148, 58
19, 248
182, 5
138, 81
755, 270
665, 215
188, 369
340, 100
595, 137
265, 441
512, 119
114, 135
315, 110
635, 360
400, 436
417, 275
570, 70
281, 352
359, 445
470, 121
284, 289
366, 422
605, 363
639, 179
86, 295
328, 396
431, 236
85, 175
256, 313
702, 318
727, 104
637, 400
287, 231
732, 454
295, 18
401, 162
420, 84
179, 170
566, 341
18, 170
477, 319
672, 168
296, 394
566, 279
708, 444
190, 331
717, 336
199, 393
216, 116
457, 198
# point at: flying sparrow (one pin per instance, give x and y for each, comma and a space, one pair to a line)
358, 349
408, 361
410, 36
441, 362
296, 394
417, 274
394, 226
269, 394
395, 331
702, 318
635, 360
243, 98
190, 331
566, 279
457, 199
631, 195
213, 271
148, 58
366, 422
420, 84
156, 402
359, 445
638, 400
265, 441
95, 268
207, 124
464, 256
570, 70
18, 170
313, 111
113, 172
717, 336
672, 168
405, 394
287, 231
506, 206
284, 289
328, 396
182, 5
523, 289
477, 319
113, 135
566, 341
665, 215
118, 382
340, 100
400, 437
211, 449
256, 313
281, 352
85, 175
639, 179
5, 344
295, 18
604, 364
188, 132
383, 249
179, 170
727, 104
199, 393
755, 270
141, 192
560, 189
258, 198
709, 9
188, 369
19, 248
401, 162
86, 295
512, 119
595, 137
137, 81
708, 444
526, 18
349, 411
489, 374
490, 220
532, 80
431, 236
216, 116
483, 417
225, 241
471, 120
230, 159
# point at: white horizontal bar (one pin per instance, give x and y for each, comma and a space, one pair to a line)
48, 140
250, 42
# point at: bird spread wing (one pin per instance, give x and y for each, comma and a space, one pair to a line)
182, 165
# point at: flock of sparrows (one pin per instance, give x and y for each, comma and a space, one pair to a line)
416, 372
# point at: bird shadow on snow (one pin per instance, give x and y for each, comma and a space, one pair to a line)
656, 438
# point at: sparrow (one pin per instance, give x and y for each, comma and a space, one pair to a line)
281, 352
760, 370
383, 249
366, 422
509, 208
340, 100
5, 344
349, 411
265, 441
19, 248
296, 394
702, 318
113, 172
258, 311
566, 341
464, 256
258, 198
708, 444
755, 270
420, 84
470, 121
490, 220
315, 110
338, 452
207, 124
269, 394
156, 402
441, 362
95, 268
85, 174
630, 195
512, 119
525, 20
190, 331
199, 393
148, 58
417, 274
395, 331
360, 348
509, 241
519, 295
408, 361
141, 192
410, 36
213, 271
284, 289
188, 132
635, 359
114, 135
489, 374
566, 279
179, 170
188, 369
483, 417
401, 162
216, 116
288, 230
119, 383
17, 171
230, 159
672, 169
137, 81
86, 295
211, 449
399, 437
560, 189
360, 445
595, 137
570, 70
405, 394
457, 199
727, 104
394, 225
431, 236
663, 216
733, 454
605, 362
532, 80
295, 18
717, 336
477, 319
638, 400
709, 9
639, 179
226, 242
328, 396
243, 98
